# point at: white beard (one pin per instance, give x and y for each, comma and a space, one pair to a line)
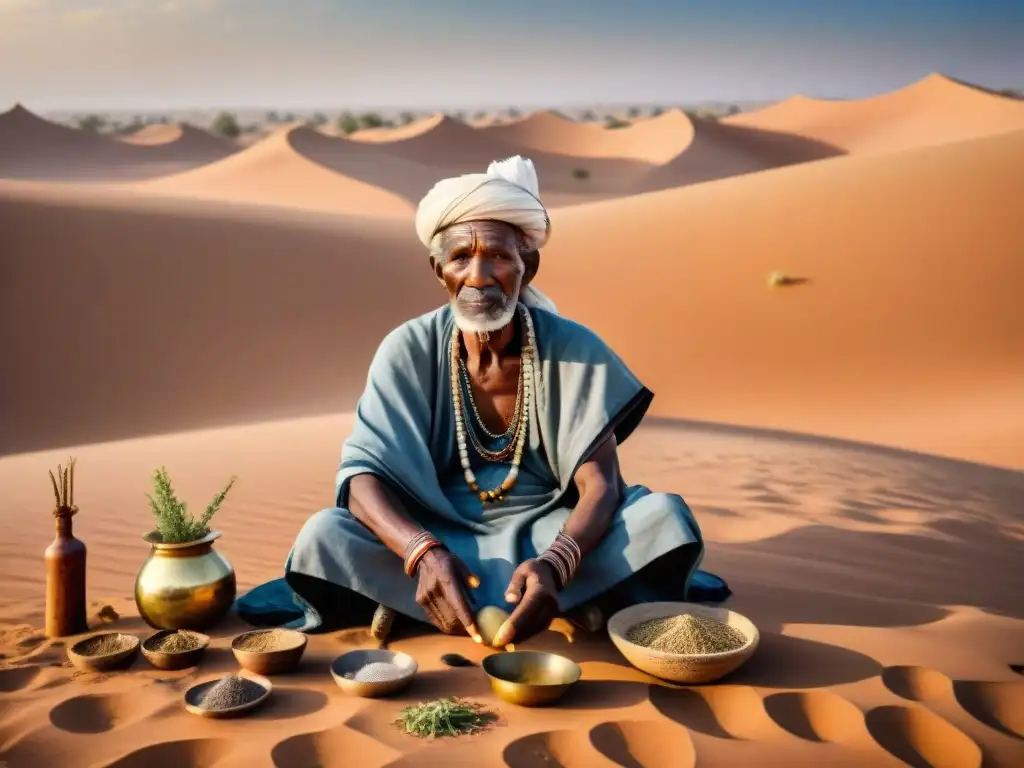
489, 323
484, 324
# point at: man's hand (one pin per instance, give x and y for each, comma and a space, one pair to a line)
534, 590
440, 590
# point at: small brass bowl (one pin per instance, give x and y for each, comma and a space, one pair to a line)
270, 662
119, 659
531, 678
194, 697
174, 659
351, 662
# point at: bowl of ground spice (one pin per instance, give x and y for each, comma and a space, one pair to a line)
174, 648
683, 642
104, 652
230, 696
269, 651
373, 673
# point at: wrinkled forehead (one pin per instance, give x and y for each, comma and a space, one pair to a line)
480, 236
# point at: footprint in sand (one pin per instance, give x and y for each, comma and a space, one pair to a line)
96, 713
334, 747
17, 678
921, 738
722, 711
189, 753
921, 684
553, 749
819, 716
999, 705
644, 744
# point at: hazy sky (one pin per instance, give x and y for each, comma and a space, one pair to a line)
292, 54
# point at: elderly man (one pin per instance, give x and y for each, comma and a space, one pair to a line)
482, 468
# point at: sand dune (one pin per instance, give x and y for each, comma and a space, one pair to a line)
184, 138
897, 293
219, 321
931, 111
273, 172
906, 311
34, 148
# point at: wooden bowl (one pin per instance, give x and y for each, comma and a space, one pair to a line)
174, 659
681, 667
270, 662
531, 678
194, 696
351, 662
120, 659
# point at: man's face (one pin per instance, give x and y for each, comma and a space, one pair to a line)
482, 271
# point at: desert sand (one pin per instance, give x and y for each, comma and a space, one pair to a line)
852, 443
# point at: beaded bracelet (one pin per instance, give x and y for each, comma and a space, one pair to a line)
418, 546
564, 556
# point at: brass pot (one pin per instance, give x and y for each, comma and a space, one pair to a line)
184, 586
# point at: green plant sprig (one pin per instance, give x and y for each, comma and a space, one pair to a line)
174, 523
444, 717
64, 488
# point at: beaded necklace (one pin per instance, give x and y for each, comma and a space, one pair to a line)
521, 419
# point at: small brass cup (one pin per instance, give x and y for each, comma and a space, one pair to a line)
530, 678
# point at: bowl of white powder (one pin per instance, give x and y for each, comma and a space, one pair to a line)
373, 673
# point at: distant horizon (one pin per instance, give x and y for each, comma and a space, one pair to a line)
200, 55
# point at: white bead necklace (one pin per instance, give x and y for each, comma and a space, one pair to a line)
526, 372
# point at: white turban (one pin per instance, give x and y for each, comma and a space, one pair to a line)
508, 192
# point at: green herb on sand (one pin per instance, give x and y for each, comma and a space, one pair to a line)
174, 524
444, 717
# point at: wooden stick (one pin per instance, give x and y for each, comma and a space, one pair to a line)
56, 493
71, 499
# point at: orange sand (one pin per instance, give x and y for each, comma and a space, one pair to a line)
217, 317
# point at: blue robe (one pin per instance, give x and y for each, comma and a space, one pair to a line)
404, 433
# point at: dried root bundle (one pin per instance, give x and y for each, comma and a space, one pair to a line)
64, 488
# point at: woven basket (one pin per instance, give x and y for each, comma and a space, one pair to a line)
678, 667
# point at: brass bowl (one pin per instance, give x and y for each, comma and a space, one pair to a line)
184, 586
194, 695
691, 668
173, 659
121, 659
531, 678
353, 661
270, 662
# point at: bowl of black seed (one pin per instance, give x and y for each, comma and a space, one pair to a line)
373, 673
230, 696
174, 648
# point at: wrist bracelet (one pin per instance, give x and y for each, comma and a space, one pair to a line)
418, 546
564, 556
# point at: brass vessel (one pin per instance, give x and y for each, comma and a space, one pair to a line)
184, 586
531, 678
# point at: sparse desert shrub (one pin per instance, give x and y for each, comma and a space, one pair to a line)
614, 122
513, 113
272, 117
348, 123
318, 119
406, 118
226, 125
707, 114
657, 111
1011, 93
174, 523
481, 115
633, 112
580, 174
93, 123
588, 116
371, 120
732, 109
